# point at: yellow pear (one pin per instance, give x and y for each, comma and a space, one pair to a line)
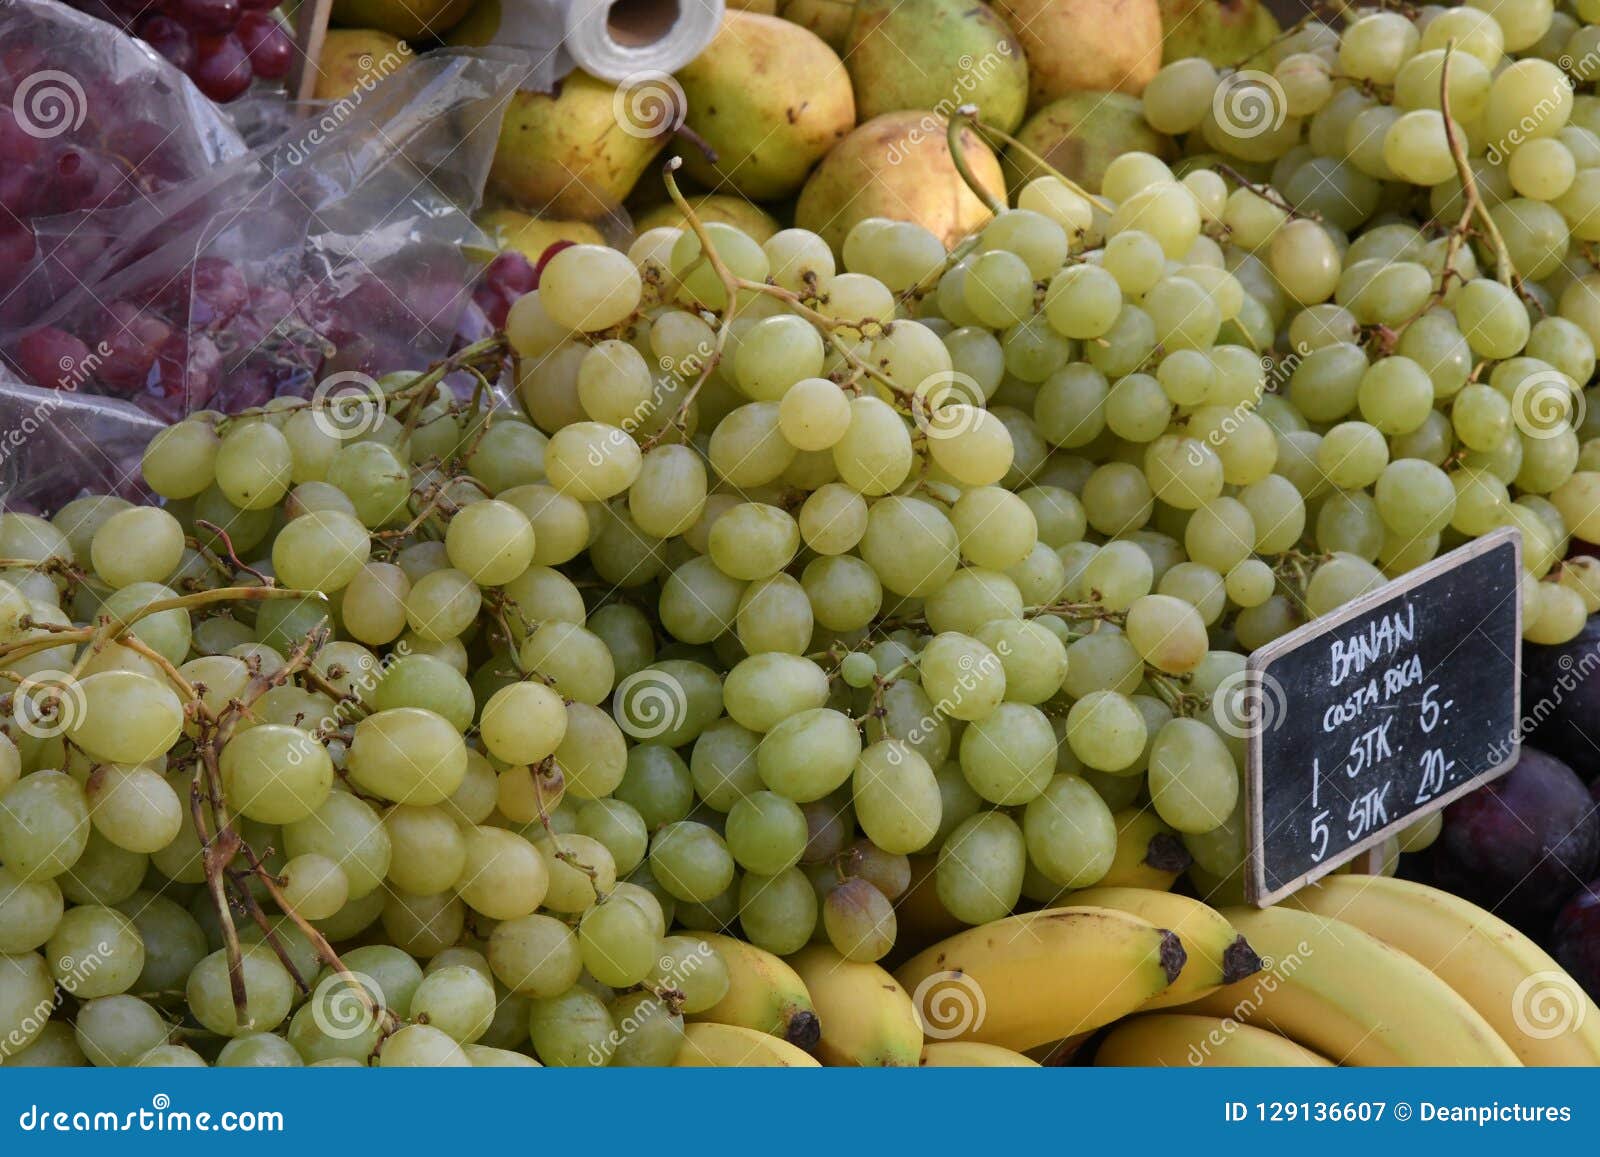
407, 19
1096, 45
1081, 134
356, 58
1222, 31
770, 99
898, 165
829, 19
573, 153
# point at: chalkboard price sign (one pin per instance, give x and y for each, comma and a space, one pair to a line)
1368, 719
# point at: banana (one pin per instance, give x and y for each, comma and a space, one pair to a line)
867, 1018
1175, 1040
764, 993
1510, 980
707, 1045
971, 1054
1350, 997
1218, 955
1149, 853
1032, 979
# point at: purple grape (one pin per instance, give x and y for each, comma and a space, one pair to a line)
51, 357
133, 338
17, 247
188, 371
267, 43
508, 277
1516, 845
207, 17
170, 38
222, 71
217, 292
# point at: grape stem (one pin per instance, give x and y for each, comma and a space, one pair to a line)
955, 128
1266, 192
1472, 203
1005, 138
232, 556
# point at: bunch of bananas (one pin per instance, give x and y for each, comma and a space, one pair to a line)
1358, 970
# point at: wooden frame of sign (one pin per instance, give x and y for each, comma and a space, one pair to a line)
1389, 662
310, 29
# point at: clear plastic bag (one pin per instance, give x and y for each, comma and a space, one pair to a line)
345, 242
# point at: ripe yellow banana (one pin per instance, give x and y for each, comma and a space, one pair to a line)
731, 1046
1150, 854
1350, 997
1538, 1010
867, 1018
1218, 955
971, 1054
764, 993
1176, 1040
1035, 978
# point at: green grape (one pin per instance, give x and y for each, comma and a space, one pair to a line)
766, 833
1337, 581
1083, 301
1352, 455
1414, 497
980, 868
617, 943
1349, 521
998, 289
410, 754
1325, 384
777, 912
910, 545
1250, 583
521, 723
874, 454
1199, 586
1305, 81
1375, 46
691, 861
1194, 784
44, 825
1070, 834
1070, 405
1481, 417
859, 920
253, 465
1126, 345
1106, 731
806, 756
268, 988
139, 544
535, 955
1395, 395
1008, 756
181, 460
1416, 147
115, 1031
1167, 632
774, 354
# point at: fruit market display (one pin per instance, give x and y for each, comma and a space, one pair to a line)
812, 631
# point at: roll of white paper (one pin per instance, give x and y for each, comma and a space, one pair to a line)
616, 40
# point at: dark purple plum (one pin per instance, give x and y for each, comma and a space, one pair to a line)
1521, 845
1561, 699
1576, 943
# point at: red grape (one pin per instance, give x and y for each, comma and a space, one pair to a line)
544, 258
207, 17
223, 70
51, 357
268, 44
170, 38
